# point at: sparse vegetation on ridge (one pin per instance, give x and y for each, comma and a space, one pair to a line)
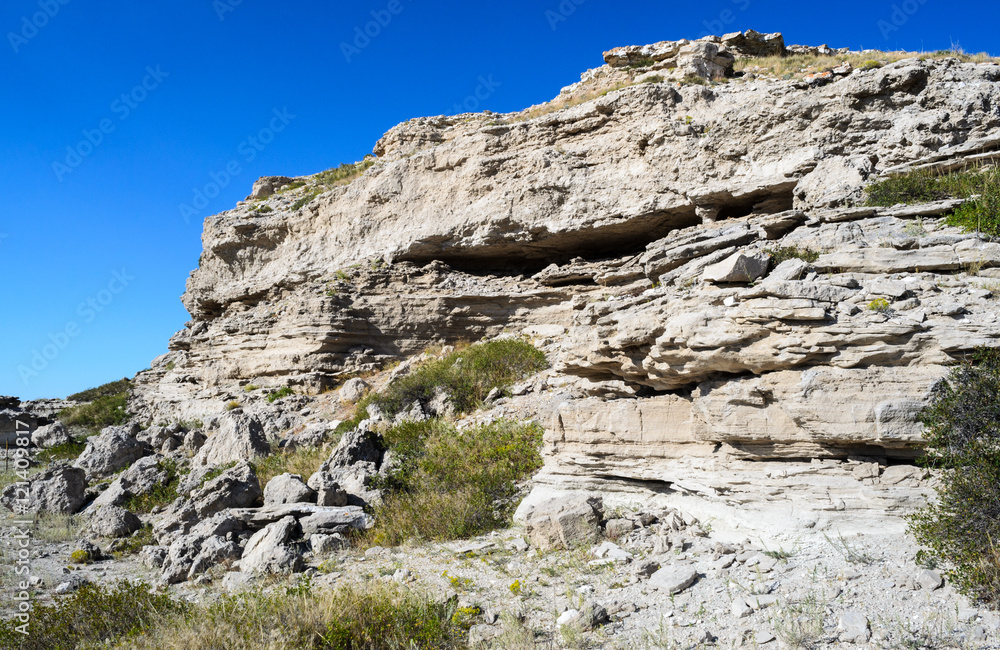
798, 65
106, 407
780, 254
982, 186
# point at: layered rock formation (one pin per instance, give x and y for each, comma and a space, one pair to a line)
599, 213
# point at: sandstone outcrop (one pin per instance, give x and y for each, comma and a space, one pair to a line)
635, 224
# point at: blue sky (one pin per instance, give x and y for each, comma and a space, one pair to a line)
114, 117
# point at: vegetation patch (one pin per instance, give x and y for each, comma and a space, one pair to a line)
783, 253
982, 186
880, 305
962, 430
162, 493
466, 375
90, 617
106, 409
107, 390
376, 616
302, 461
285, 391
67, 451
452, 484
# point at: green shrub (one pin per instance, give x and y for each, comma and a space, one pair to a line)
782, 253
306, 199
107, 390
467, 375
215, 473
89, 617
880, 305
980, 214
452, 484
285, 391
641, 62
654, 79
962, 430
162, 493
232, 405
81, 557
870, 64
983, 213
67, 451
104, 411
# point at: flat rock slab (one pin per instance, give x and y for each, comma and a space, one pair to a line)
674, 580
323, 516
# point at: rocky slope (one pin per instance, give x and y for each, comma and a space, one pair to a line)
738, 354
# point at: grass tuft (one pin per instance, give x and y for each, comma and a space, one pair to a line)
453, 484
466, 375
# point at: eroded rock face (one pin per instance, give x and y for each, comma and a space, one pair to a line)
639, 232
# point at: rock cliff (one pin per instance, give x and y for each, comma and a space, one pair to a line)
630, 223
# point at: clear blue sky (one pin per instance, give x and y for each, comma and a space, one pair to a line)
200, 78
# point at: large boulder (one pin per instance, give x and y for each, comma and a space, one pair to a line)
209, 542
563, 521
752, 44
236, 487
288, 488
351, 469
51, 435
141, 478
112, 521
114, 449
59, 489
328, 490
239, 437
738, 267
271, 550
353, 390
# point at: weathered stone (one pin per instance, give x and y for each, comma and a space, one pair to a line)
114, 449
288, 488
673, 580
271, 551
738, 267
353, 390
239, 437
50, 435
145, 475
853, 627
562, 522
60, 489
113, 522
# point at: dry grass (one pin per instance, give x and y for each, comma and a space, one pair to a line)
802, 64
303, 461
371, 616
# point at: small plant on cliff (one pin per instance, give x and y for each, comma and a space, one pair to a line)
880, 305
284, 391
782, 253
962, 430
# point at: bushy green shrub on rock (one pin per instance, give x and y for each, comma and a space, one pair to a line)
962, 528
